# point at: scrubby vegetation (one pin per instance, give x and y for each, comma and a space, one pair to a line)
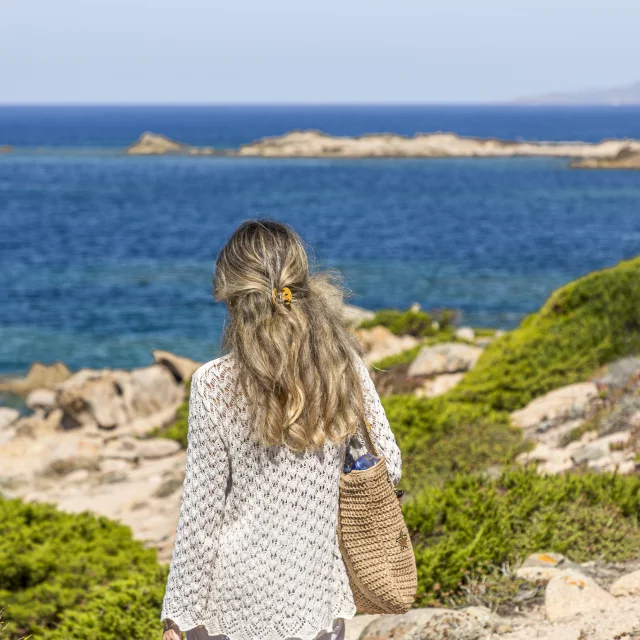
410, 322
474, 524
179, 428
69, 569
439, 438
80, 576
583, 325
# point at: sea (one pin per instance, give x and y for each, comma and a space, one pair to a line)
104, 256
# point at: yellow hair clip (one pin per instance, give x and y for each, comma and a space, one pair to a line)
283, 296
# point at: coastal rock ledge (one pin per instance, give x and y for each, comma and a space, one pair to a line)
315, 144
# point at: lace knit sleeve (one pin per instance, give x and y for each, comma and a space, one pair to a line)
201, 510
381, 434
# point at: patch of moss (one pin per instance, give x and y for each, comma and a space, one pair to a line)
51, 562
474, 523
583, 325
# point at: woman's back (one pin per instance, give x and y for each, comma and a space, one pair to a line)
256, 553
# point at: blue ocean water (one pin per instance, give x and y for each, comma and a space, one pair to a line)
104, 256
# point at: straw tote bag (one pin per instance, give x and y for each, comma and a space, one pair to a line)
374, 540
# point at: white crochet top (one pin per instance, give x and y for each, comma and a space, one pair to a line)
256, 553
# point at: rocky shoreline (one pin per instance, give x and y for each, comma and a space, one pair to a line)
95, 441
315, 144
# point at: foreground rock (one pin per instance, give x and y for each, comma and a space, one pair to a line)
471, 623
541, 567
84, 447
40, 376
571, 593
594, 425
439, 385
8, 416
560, 405
627, 585
626, 158
109, 399
317, 144
449, 357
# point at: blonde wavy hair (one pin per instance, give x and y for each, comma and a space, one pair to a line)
295, 362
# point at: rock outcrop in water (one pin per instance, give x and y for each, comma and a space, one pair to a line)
315, 144
5, 148
627, 158
154, 144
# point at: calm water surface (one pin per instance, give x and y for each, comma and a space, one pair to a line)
103, 256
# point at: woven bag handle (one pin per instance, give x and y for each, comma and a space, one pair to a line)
372, 446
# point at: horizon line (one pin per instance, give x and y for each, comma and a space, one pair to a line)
483, 103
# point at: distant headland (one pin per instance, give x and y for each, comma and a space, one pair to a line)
315, 144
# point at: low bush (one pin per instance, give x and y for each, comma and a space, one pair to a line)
52, 563
128, 608
411, 323
439, 438
583, 325
475, 523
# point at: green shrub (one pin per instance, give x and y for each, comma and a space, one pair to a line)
51, 562
475, 523
179, 428
412, 323
128, 608
439, 438
583, 325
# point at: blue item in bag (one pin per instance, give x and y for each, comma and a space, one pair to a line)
365, 461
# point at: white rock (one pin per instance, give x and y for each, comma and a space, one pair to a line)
157, 447
571, 593
8, 416
541, 567
428, 622
41, 400
465, 333
560, 405
79, 476
440, 384
537, 574
624, 468
353, 316
113, 465
181, 367
379, 343
627, 585
109, 399
600, 448
449, 357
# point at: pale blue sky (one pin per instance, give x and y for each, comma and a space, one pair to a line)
206, 51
